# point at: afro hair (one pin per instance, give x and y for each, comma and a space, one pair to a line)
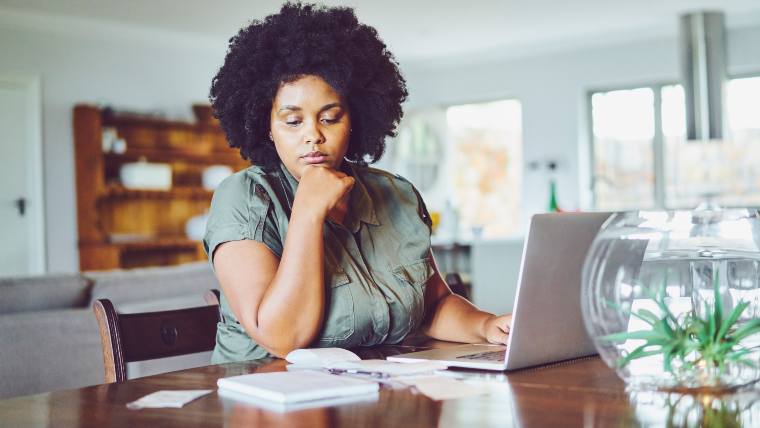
307, 39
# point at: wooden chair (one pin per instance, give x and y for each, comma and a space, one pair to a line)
457, 286
145, 336
212, 297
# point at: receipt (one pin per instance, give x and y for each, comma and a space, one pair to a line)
175, 398
443, 388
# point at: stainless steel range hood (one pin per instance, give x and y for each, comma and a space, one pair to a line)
703, 68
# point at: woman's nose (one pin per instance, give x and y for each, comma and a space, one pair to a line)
312, 134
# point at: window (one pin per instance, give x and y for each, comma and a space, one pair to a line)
623, 127
486, 165
641, 158
468, 157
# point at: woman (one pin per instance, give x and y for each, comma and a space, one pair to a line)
312, 247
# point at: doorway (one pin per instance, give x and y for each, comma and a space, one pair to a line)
22, 225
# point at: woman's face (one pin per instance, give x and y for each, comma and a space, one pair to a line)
310, 125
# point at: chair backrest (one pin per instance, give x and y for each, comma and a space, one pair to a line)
145, 336
457, 286
212, 297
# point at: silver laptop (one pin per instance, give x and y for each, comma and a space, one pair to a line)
547, 325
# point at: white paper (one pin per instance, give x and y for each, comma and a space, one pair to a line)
443, 388
176, 399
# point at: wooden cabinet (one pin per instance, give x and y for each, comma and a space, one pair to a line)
120, 227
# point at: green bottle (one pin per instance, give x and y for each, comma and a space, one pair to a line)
553, 205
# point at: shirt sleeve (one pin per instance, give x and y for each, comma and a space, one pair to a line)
240, 209
412, 195
422, 210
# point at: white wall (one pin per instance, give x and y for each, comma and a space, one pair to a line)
146, 70
140, 73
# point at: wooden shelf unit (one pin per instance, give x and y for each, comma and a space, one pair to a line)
106, 210
187, 192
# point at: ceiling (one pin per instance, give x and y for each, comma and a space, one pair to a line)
417, 30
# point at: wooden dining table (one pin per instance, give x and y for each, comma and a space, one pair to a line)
577, 393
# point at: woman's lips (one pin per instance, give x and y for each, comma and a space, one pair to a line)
314, 158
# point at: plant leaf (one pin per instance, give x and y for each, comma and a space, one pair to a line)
711, 323
663, 326
747, 329
639, 352
732, 317
647, 316
735, 355
633, 335
667, 359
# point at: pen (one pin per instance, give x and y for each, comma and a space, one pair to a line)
358, 372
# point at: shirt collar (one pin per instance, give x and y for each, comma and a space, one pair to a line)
360, 205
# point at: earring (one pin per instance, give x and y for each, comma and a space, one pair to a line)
270, 137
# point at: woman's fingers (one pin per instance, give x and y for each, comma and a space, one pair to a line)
505, 322
499, 337
498, 329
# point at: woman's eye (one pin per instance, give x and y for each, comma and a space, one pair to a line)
330, 120
293, 122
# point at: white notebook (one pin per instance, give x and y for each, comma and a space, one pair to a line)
293, 387
302, 405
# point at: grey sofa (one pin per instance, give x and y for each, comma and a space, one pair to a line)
49, 337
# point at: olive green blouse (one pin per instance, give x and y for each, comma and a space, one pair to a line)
376, 264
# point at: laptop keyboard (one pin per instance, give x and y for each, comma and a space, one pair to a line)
490, 356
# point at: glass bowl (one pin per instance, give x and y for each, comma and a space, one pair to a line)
671, 299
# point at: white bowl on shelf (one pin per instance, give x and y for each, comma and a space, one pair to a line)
195, 228
145, 175
214, 175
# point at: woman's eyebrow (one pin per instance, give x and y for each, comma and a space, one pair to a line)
331, 105
292, 108
297, 108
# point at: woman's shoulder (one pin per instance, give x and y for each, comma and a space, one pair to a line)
392, 191
395, 196
242, 188
243, 182
382, 180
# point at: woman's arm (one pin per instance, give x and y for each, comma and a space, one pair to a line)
453, 318
280, 302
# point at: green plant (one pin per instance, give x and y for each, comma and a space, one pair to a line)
709, 340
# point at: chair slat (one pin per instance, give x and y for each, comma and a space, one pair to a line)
166, 334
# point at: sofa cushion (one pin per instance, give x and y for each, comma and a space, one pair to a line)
190, 280
36, 293
49, 350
